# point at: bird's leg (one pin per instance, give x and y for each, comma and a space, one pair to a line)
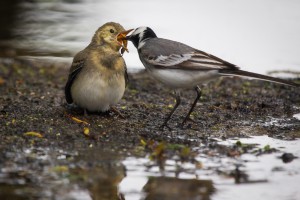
117, 112
178, 101
198, 90
85, 112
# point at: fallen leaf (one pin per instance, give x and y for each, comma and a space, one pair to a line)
2, 81
77, 120
34, 134
143, 142
61, 169
86, 131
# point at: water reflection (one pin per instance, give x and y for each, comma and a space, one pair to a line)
60, 28
42, 28
13, 192
95, 173
8, 13
101, 181
168, 188
101, 173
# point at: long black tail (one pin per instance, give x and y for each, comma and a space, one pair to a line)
257, 76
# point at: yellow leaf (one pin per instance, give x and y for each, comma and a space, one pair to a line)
170, 106
76, 119
86, 131
79, 121
61, 169
34, 134
143, 142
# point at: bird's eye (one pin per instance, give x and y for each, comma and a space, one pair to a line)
111, 30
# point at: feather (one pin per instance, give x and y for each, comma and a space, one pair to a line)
168, 54
72, 76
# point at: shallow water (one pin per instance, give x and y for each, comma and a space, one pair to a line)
259, 173
279, 179
261, 42
267, 176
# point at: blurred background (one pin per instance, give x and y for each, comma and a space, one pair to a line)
257, 35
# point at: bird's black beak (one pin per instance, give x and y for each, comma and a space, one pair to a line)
128, 37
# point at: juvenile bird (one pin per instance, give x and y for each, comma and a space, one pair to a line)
98, 74
180, 66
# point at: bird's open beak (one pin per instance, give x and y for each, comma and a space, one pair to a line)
123, 35
122, 39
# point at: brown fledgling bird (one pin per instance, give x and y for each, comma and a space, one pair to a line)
98, 74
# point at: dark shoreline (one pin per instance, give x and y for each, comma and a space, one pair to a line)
41, 147
32, 99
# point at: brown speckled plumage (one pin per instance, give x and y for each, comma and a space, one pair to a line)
98, 74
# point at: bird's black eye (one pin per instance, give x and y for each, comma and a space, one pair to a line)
111, 30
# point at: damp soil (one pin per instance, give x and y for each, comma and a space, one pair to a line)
41, 145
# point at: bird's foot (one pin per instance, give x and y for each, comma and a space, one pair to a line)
117, 112
181, 125
85, 112
162, 127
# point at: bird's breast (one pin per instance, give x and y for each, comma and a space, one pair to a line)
107, 60
96, 91
177, 78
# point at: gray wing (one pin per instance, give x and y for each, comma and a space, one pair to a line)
163, 53
75, 70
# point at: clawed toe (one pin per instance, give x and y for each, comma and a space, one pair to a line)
181, 125
117, 112
162, 127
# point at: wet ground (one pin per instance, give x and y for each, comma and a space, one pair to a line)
47, 154
244, 141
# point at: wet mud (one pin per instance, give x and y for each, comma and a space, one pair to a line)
46, 151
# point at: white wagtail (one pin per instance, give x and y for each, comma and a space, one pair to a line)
180, 66
98, 74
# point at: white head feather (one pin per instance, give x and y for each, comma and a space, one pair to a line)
140, 32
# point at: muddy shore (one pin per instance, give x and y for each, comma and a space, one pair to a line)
32, 100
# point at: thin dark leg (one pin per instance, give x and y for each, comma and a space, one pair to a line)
117, 112
198, 90
85, 112
178, 101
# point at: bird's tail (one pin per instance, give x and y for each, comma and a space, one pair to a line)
229, 72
